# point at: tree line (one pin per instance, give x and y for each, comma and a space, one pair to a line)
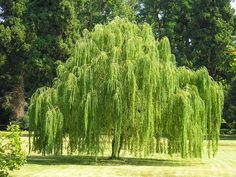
36, 35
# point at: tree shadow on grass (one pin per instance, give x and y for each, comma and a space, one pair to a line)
227, 137
105, 161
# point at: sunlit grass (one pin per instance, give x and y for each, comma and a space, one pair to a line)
224, 164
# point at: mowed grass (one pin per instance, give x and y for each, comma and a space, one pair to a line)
224, 164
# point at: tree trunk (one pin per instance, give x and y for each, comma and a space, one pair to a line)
17, 100
116, 150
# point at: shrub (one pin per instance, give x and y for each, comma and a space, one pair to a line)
11, 155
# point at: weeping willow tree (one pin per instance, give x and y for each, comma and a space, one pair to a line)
122, 84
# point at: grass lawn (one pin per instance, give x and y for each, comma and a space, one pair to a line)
224, 164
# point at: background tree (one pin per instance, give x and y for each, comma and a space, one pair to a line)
230, 104
13, 48
52, 31
101, 12
199, 30
170, 18
212, 26
200, 34
230, 87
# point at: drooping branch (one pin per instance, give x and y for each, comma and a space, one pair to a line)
122, 84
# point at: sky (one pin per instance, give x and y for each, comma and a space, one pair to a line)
234, 5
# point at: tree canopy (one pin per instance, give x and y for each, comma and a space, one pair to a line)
35, 34
52, 28
122, 84
13, 47
199, 31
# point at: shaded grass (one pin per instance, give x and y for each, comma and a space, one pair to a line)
227, 137
106, 161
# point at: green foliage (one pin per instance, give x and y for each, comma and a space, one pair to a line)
52, 28
230, 104
100, 12
123, 84
11, 155
199, 31
172, 19
215, 22
230, 86
13, 47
